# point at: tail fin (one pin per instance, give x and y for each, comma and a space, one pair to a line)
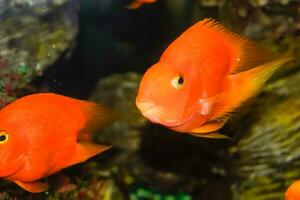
248, 83
252, 80
97, 117
243, 86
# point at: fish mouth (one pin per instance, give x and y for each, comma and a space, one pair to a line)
183, 123
152, 112
13, 168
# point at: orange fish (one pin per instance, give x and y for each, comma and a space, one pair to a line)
138, 3
41, 134
202, 77
293, 192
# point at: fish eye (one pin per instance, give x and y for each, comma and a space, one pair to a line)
177, 82
3, 137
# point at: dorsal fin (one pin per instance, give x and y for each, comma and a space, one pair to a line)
253, 55
245, 54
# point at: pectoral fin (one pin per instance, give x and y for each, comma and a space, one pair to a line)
33, 187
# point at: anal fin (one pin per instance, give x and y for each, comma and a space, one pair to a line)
208, 130
33, 187
211, 126
213, 135
85, 151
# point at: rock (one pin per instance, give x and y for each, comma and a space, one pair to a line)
33, 34
267, 156
118, 92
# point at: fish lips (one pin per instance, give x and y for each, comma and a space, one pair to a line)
150, 111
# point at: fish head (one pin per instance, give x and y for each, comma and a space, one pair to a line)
192, 69
166, 95
13, 145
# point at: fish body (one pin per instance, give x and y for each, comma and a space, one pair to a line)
293, 192
202, 77
135, 4
43, 133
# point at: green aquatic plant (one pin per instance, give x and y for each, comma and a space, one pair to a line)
140, 193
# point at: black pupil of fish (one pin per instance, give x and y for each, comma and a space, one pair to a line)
2, 138
180, 80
